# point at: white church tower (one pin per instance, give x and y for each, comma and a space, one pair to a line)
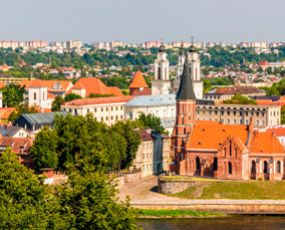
194, 62
180, 66
161, 83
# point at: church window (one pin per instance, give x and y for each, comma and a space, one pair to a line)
230, 168
278, 167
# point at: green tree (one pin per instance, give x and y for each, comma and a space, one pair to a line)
127, 130
44, 149
13, 95
56, 104
71, 97
24, 202
90, 202
152, 122
241, 100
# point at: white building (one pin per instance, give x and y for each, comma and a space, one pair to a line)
107, 109
38, 95
162, 106
194, 63
161, 83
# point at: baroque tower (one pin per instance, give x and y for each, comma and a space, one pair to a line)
161, 83
194, 62
185, 112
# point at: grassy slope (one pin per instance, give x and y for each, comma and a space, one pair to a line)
143, 213
236, 190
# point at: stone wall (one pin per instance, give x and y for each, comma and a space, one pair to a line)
166, 186
224, 206
132, 177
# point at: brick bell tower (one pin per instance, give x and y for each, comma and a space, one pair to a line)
185, 112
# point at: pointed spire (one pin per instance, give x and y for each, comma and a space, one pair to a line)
186, 91
192, 48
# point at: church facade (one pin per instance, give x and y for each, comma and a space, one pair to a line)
224, 151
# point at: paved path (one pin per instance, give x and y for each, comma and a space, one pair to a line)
143, 195
143, 190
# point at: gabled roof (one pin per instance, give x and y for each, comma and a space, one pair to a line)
210, 134
41, 118
5, 113
138, 81
9, 130
144, 135
186, 90
266, 142
18, 145
50, 84
96, 86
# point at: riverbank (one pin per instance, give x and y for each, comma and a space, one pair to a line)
262, 207
168, 214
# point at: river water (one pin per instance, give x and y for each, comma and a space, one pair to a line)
233, 223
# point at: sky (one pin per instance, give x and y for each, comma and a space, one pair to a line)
229, 21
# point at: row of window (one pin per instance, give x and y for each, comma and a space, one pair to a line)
235, 112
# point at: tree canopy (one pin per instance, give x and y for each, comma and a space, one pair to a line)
77, 140
152, 122
241, 100
13, 95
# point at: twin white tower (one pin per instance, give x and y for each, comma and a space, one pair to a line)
162, 83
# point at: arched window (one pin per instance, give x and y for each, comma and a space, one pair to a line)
215, 167
198, 166
253, 167
230, 168
230, 148
278, 167
265, 167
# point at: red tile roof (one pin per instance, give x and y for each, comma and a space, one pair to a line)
144, 135
5, 113
96, 86
209, 135
265, 142
278, 131
50, 84
18, 145
99, 100
138, 81
238, 90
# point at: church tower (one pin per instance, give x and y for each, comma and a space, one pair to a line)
194, 62
185, 112
180, 65
161, 83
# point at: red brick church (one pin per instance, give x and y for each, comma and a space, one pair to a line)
212, 149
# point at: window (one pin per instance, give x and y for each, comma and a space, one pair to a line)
35, 96
278, 167
230, 168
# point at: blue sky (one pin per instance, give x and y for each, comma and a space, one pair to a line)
229, 21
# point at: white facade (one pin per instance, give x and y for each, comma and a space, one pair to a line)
162, 106
161, 83
109, 113
38, 96
194, 62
